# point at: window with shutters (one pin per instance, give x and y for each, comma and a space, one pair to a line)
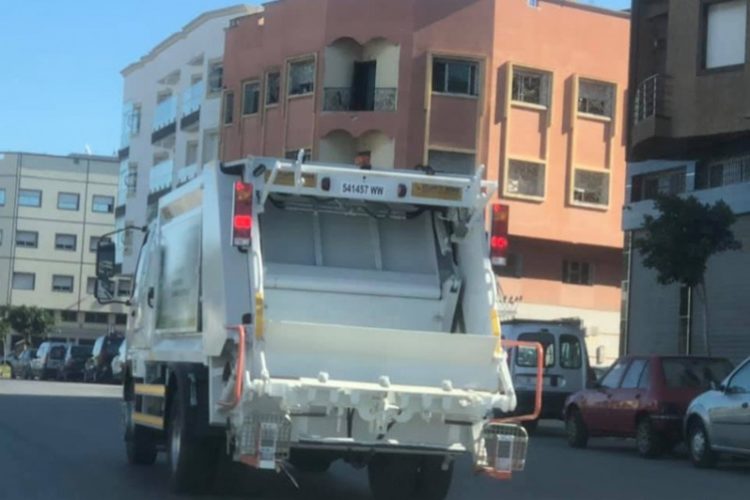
65, 242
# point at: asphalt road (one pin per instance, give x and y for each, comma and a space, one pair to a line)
63, 441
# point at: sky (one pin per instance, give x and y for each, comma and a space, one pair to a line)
60, 82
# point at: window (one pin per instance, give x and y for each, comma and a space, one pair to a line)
576, 273
90, 285
2, 197
452, 162
726, 26
530, 86
69, 316
65, 242
29, 198
121, 319
272, 88
513, 267
24, 281
103, 204
250, 98
292, 155
645, 381
649, 186
533, 3
67, 201
722, 172
302, 77
191, 153
93, 242
453, 76
591, 187
525, 178
740, 382
611, 379
571, 354
210, 146
633, 375
93, 317
595, 98
123, 288
526, 356
27, 239
215, 77
694, 373
228, 108
62, 283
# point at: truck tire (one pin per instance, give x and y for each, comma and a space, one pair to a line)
140, 443
402, 477
192, 458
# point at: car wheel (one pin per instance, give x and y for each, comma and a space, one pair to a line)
699, 446
402, 477
140, 442
575, 429
647, 439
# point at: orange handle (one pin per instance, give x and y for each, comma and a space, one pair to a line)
539, 381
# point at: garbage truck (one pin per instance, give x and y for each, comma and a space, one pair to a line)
287, 314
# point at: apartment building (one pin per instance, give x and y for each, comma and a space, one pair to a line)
689, 135
52, 211
170, 120
533, 90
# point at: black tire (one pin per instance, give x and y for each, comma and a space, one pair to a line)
649, 442
140, 442
311, 461
192, 458
575, 429
699, 446
531, 425
402, 477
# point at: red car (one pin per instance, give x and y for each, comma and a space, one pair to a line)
644, 397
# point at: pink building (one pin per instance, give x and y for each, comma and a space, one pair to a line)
534, 90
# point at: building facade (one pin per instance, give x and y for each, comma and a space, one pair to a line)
534, 91
689, 135
53, 209
170, 120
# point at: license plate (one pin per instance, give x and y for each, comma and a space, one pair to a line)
362, 190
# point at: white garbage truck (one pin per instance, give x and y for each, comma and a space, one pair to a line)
288, 314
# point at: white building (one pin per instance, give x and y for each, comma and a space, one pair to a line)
52, 211
170, 129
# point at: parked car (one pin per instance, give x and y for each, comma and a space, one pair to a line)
642, 397
118, 362
22, 367
74, 362
98, 367
566, 367
718, 421
49, 358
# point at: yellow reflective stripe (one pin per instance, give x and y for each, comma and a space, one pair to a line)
157, 390
495, 320
436, 191
258, 315
148, 420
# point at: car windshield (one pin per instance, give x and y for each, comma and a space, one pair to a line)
80, 351
526, 356
695, 373
57, 352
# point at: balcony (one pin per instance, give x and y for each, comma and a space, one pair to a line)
165, 116
651, 109
186, 173
191, 106
160, 177
349, 99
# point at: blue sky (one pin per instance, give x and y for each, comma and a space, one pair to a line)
60, 87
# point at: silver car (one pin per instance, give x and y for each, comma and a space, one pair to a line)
718, 421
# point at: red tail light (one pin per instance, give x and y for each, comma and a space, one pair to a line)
242, 217
499, 235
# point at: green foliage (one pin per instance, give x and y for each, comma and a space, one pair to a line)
4, 326
29, 321
685, 234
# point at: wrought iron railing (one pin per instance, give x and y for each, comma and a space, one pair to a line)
340, 99
652, 98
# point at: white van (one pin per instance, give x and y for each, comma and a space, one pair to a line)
565, 363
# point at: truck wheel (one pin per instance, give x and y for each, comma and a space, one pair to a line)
575, 429
192, 459
699, 446
647, 439
140, 444
402, 477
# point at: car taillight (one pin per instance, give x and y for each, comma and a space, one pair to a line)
499, 234
242, 216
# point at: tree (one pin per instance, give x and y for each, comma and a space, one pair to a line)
681, 239
29, 321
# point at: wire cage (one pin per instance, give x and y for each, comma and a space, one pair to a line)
501, 450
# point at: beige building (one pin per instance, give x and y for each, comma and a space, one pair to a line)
52, 211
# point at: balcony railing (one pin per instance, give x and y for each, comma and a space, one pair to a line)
165, 113
186, 173
340, 99
192, 98
160, 177
652, 98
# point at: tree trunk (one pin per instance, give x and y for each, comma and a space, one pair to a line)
704, 301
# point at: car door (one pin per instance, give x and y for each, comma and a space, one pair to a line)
625, 401
730, 416
595, 407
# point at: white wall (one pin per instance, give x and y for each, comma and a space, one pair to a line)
339, 63
337, 147
381, 147
386, 55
